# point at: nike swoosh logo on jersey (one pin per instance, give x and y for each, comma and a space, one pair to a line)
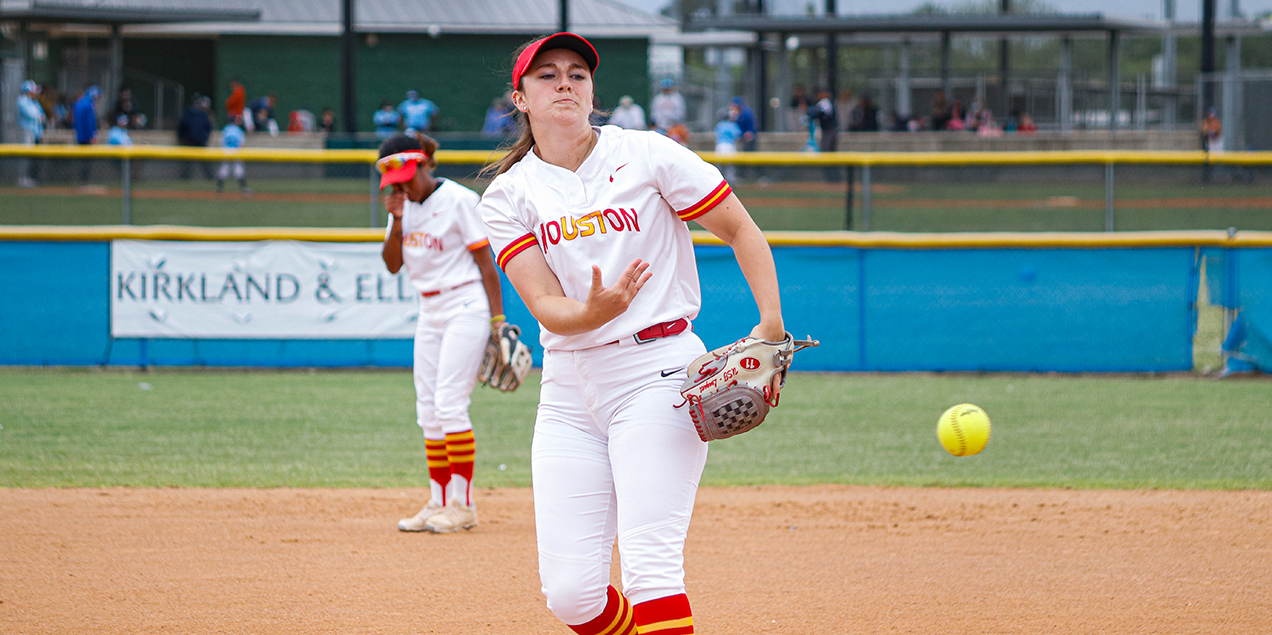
616, 171
669, 373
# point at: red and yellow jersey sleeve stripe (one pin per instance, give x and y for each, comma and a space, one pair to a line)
709, 201
479, 245
515, 247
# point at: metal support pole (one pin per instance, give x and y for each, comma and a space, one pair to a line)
564, 16
1232, 101
375, 197
1064, 92
945, 66
1141, 102
905, 107
125, 173
832, 53
865, 198
1207, 56
348, 80
1108, 196
1115, 77
851, 176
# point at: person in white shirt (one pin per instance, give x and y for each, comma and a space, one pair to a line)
435, 232
591, 228
668, 106
628, 115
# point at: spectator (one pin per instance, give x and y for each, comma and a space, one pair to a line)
237, 101
629, 114
1026, 125
64, 112
327, 122
416, 112
668, 106
824, 112
972, 120
232, 138
263, 114
1212, 132
386, 120
679, 133
728, 133
799, 108
940, 111
119, 132
746, 122
499, 120
300, 120
956, 117
844, 107
194, 130
987, 127
125, 107
86, 116
866, 117
31, 120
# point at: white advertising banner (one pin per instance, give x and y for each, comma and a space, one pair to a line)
270, 289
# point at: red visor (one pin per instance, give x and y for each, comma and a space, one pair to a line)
400, 167
569, 41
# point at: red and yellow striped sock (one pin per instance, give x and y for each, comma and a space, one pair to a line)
461, 449
664, 616
439, 470
616, 619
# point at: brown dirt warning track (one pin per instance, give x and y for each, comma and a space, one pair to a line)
823, 559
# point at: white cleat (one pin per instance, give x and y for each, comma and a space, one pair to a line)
452, 518
416, 522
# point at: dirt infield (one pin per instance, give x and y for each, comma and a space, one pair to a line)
824, 559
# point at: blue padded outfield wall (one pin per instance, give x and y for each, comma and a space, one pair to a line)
874, 309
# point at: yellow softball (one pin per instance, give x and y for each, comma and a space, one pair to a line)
963, 430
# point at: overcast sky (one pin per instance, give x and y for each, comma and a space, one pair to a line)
1185, 10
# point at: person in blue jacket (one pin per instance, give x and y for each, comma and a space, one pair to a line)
85, 114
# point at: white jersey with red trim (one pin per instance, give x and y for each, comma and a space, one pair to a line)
631, 198
437, 236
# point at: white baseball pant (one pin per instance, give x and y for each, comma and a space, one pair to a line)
612, 455
450, 340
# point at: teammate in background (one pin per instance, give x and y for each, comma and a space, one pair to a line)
232, 139
590, 225
668, 106
119, 132
728, 133
434, 230
1212, 132
386, 121
31, 120
417, 112
629, 114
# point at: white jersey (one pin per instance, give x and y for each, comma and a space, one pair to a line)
631, 198
437, 236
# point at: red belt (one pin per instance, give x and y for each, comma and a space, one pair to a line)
666, 329
429, 294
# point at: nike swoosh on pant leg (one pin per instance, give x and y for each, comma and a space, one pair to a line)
669, 373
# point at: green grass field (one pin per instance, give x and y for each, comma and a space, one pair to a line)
92, 428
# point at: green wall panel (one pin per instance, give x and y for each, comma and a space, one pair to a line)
304, 71
460, 73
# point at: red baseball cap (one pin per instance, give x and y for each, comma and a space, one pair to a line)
563, 40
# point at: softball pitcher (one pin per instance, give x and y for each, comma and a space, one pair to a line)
590, 227
434, 229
